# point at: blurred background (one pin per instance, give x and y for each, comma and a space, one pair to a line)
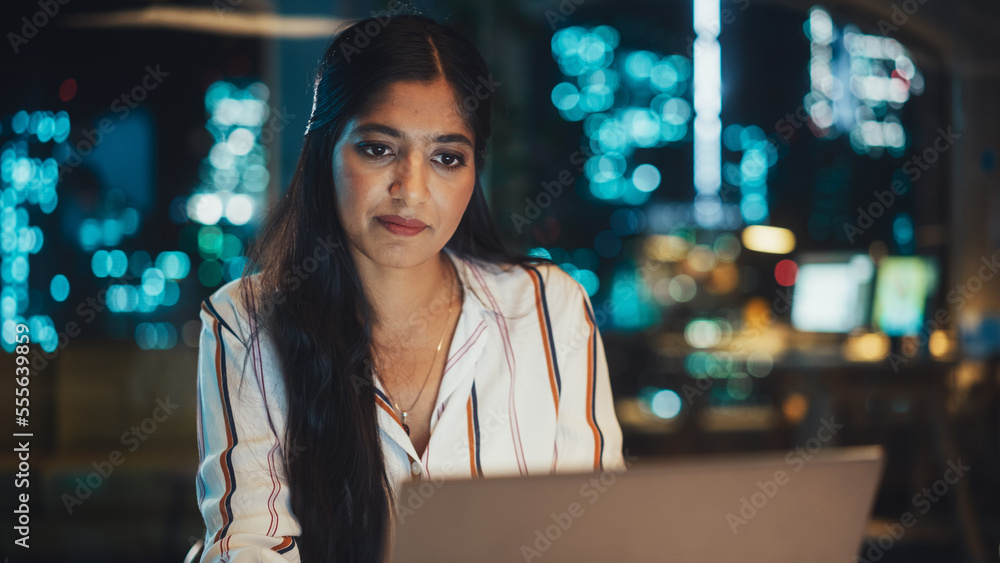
786, 214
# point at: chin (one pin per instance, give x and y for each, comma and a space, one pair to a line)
401, 255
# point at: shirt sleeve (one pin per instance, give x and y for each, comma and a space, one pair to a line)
588, 436
242, 488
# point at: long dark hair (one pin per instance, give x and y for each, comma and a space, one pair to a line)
321, 322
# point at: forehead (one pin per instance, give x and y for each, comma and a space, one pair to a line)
429, 108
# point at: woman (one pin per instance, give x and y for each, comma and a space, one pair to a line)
382, 332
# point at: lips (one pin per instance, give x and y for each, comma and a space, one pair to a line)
400, 226
397, 220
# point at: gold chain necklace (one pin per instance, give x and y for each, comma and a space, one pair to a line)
404, 413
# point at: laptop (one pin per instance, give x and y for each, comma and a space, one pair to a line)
771, 507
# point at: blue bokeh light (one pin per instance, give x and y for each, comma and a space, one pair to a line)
59, 287
646, 177
666, 404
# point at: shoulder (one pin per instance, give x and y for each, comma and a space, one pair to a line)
544, 287
227, 306
553, 283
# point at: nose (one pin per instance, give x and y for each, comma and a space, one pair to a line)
410, 183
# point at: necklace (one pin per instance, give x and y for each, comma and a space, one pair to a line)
403, 413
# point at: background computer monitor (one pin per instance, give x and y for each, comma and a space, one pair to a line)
902, 288
832, 293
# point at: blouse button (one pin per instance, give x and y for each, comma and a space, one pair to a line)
415, 468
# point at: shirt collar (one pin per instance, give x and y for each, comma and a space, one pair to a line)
478, 306
478, 283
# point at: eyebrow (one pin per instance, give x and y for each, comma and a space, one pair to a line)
386, 130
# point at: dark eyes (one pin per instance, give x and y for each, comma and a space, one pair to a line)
451, 160
374, 150
377, 151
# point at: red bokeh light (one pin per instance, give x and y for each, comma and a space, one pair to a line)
785, 272
67, 90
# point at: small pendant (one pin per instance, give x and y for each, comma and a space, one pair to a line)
405, 427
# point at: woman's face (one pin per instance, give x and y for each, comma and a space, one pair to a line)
409, 158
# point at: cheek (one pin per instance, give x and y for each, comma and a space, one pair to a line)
341, 179
458, 204
349, 187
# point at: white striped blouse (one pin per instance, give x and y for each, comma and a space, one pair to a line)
525, 391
